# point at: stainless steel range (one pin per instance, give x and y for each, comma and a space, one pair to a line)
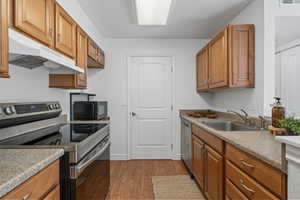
85, 166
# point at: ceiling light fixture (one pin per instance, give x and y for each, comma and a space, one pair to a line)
152, 12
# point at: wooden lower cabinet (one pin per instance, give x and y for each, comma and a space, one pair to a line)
44, 185
4, 39
230, 173
198, 160
214, 174
232, 192
54, 194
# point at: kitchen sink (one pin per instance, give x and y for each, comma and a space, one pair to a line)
229, 126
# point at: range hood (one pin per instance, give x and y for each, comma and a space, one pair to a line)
28, 53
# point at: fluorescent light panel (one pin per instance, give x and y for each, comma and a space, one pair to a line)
153, 12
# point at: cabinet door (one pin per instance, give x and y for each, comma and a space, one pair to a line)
214, 174
3, 39
198, 161
202, 70
65, 40
36, 18
241, 55
54, 194
92, 50
81, 57
218, 61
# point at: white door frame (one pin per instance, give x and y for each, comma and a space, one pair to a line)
173, 117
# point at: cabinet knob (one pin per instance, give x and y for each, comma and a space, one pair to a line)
27, 196
247, 164
246, 187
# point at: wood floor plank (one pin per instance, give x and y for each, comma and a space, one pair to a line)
132, 180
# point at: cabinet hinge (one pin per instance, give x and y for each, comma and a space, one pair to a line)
172, 107
172, 147
172, 69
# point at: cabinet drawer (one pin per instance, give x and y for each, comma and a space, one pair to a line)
208, 138
54, 194
232, 192
266, 175
37, 186
246, 184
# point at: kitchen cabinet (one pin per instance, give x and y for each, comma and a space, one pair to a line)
65, 38
96, 57
44, 185
208, 167
198, 161
253, 169
35, 19
202, 70
74, 81
229, 61
223, 171
218, 69
81, 58
214, 174
4, 39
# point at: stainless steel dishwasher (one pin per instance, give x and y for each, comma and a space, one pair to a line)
186, 143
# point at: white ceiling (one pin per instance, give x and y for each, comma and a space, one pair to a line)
287, 29
187, 18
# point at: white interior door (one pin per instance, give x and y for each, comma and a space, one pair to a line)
150, 99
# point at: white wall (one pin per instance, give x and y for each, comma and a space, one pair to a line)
111, 83
251, 100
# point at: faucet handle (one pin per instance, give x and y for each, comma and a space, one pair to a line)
245, 113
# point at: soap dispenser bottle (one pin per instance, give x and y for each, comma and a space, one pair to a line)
278, 112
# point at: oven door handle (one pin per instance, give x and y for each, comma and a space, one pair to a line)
80, 168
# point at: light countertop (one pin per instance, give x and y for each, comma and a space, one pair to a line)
18, 165
260, 144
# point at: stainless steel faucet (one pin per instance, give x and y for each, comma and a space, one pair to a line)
244, 117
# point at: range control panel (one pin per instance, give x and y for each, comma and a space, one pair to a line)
9, 110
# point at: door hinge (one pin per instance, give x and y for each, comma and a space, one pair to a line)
172, 107
172, 69
172, 147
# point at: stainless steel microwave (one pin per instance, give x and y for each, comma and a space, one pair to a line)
90, 110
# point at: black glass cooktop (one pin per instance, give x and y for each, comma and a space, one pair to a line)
71, 133
74, 133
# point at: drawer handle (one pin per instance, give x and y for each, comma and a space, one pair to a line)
27, 196
246, 187
247, 164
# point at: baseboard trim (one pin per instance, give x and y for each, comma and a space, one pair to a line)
119, 157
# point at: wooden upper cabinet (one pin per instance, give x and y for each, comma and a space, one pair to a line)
74, 81
96, 57
65, 40
4, 39
241, 55
92, 51
36, 19
218, 61
202, 70
81, 57
198, 161
231, 59
214, 188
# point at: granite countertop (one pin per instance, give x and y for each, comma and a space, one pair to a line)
260, 144
18, 165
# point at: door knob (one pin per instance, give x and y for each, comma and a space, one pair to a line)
133, 114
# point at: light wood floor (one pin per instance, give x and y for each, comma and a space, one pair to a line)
131, 180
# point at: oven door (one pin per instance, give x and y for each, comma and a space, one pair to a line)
92, 179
